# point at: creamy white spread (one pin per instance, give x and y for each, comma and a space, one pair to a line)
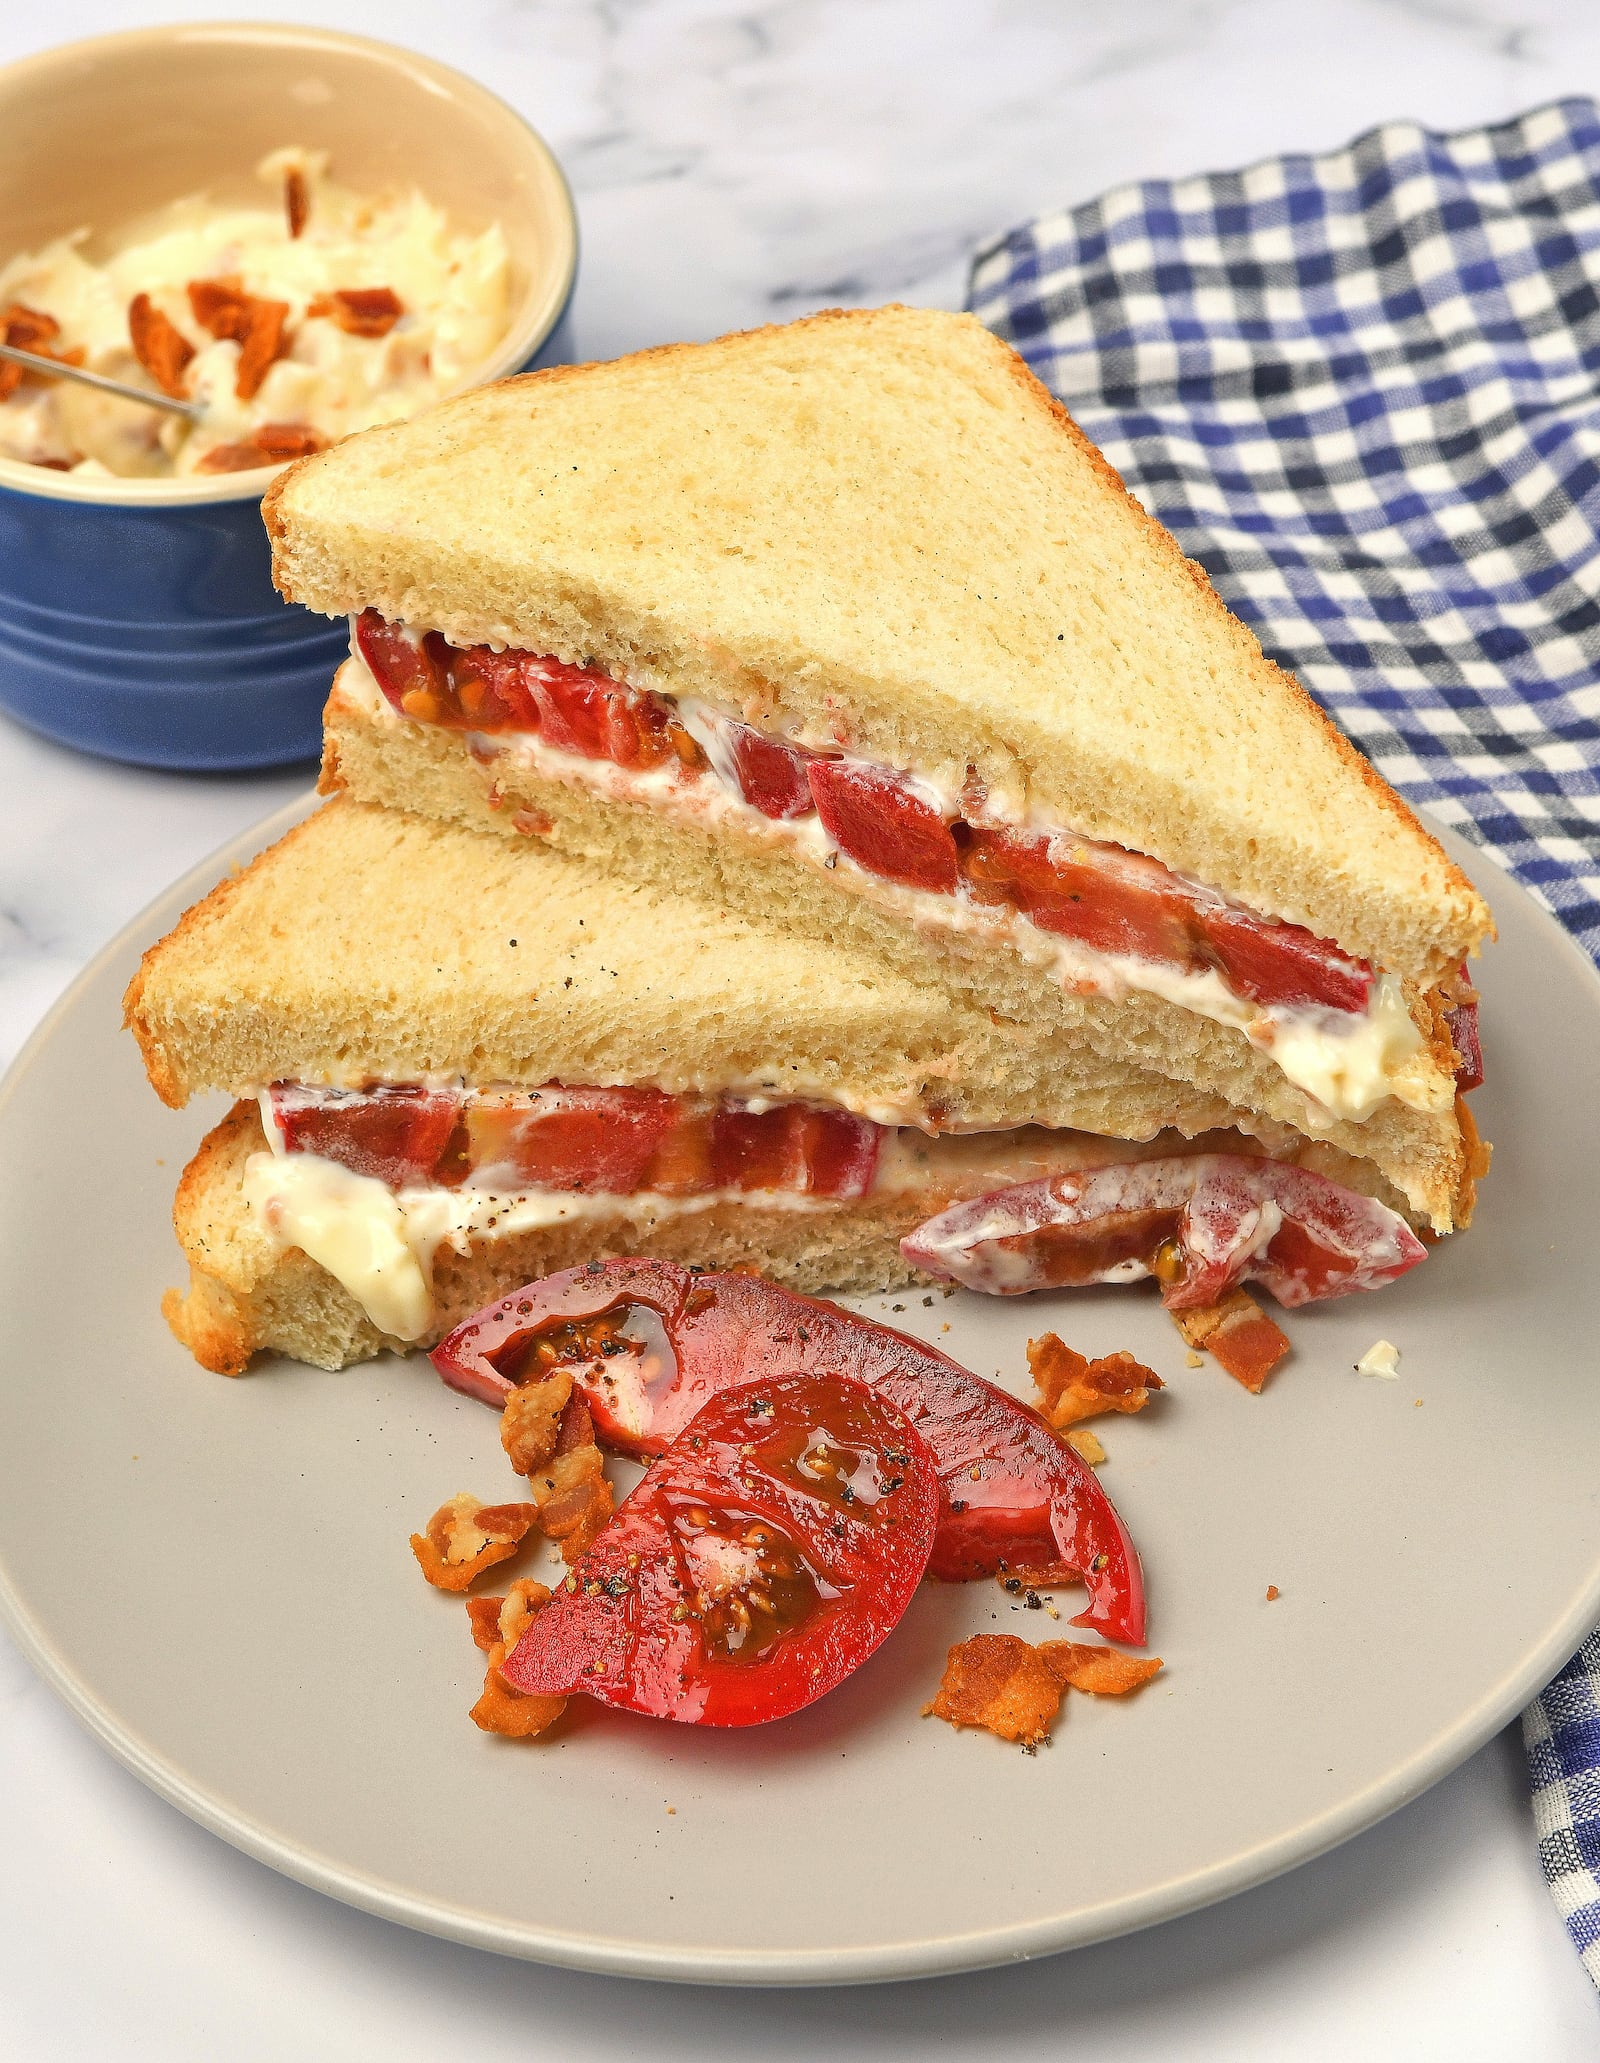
1347, 1063
380, 1243
452, 287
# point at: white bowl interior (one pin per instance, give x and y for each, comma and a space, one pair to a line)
98, 134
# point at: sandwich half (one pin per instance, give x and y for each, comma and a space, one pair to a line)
459, 1063
846, 621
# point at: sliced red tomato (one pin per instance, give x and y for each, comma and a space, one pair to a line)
1282, 963
597, 1140
883, 824
1201, 1224
395, 1134
1111, 900
649, 1343
403, 667
812, 1152
771, 774
768, 1552
1463, 1023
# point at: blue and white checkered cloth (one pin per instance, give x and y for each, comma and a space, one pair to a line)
1363, 390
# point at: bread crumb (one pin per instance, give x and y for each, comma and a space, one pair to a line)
1084, 1444
1381, 1358
1194, 1360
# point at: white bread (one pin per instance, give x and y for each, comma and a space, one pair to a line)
1122, 1068
371, 944
246, 1295
883, 519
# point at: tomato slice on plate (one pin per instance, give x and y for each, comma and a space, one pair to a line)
649, 1344
765, 1555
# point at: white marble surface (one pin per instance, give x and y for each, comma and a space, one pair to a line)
733, 163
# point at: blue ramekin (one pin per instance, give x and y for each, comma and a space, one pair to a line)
138, 619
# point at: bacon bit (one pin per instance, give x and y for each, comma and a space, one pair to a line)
570, 1491
531, 1422
464, 1537
272, 445
264, 343
30, 329
296, 200
1072, 1387
159, 345
224, 308
1273, 1593
1001, 1683
498, 1623
221, 306
1086, 1446
1241, 1335
532, 823
360, 311
1106, 1672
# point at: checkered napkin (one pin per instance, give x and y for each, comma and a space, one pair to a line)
1363, 390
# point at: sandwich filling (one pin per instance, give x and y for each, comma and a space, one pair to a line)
1104, 919
370, 1183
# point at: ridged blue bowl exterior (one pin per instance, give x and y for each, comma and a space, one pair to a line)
154, 634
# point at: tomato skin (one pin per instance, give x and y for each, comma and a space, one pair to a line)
883, 824
635, 1626
1032, 1501
396, 1134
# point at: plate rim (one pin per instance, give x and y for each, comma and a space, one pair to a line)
609, 1955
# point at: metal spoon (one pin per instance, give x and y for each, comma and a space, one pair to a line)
191, 411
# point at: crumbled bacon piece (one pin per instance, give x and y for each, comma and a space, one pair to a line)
224, 308
271, 445
1014, 1690
1001, 1683
570, 1491
360, 311
159, 345
30, 329
498, 1623
263, 343
1241, 1335
296, 200
530, 1425
1071, 1387
1106, 1672
464, 1537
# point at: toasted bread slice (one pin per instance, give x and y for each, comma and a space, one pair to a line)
369, 944
247, 1295
881, 521
1125, 1069
249, 1291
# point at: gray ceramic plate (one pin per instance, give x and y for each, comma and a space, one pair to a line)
215, 1576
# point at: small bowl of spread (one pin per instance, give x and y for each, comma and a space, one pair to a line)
296, 234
